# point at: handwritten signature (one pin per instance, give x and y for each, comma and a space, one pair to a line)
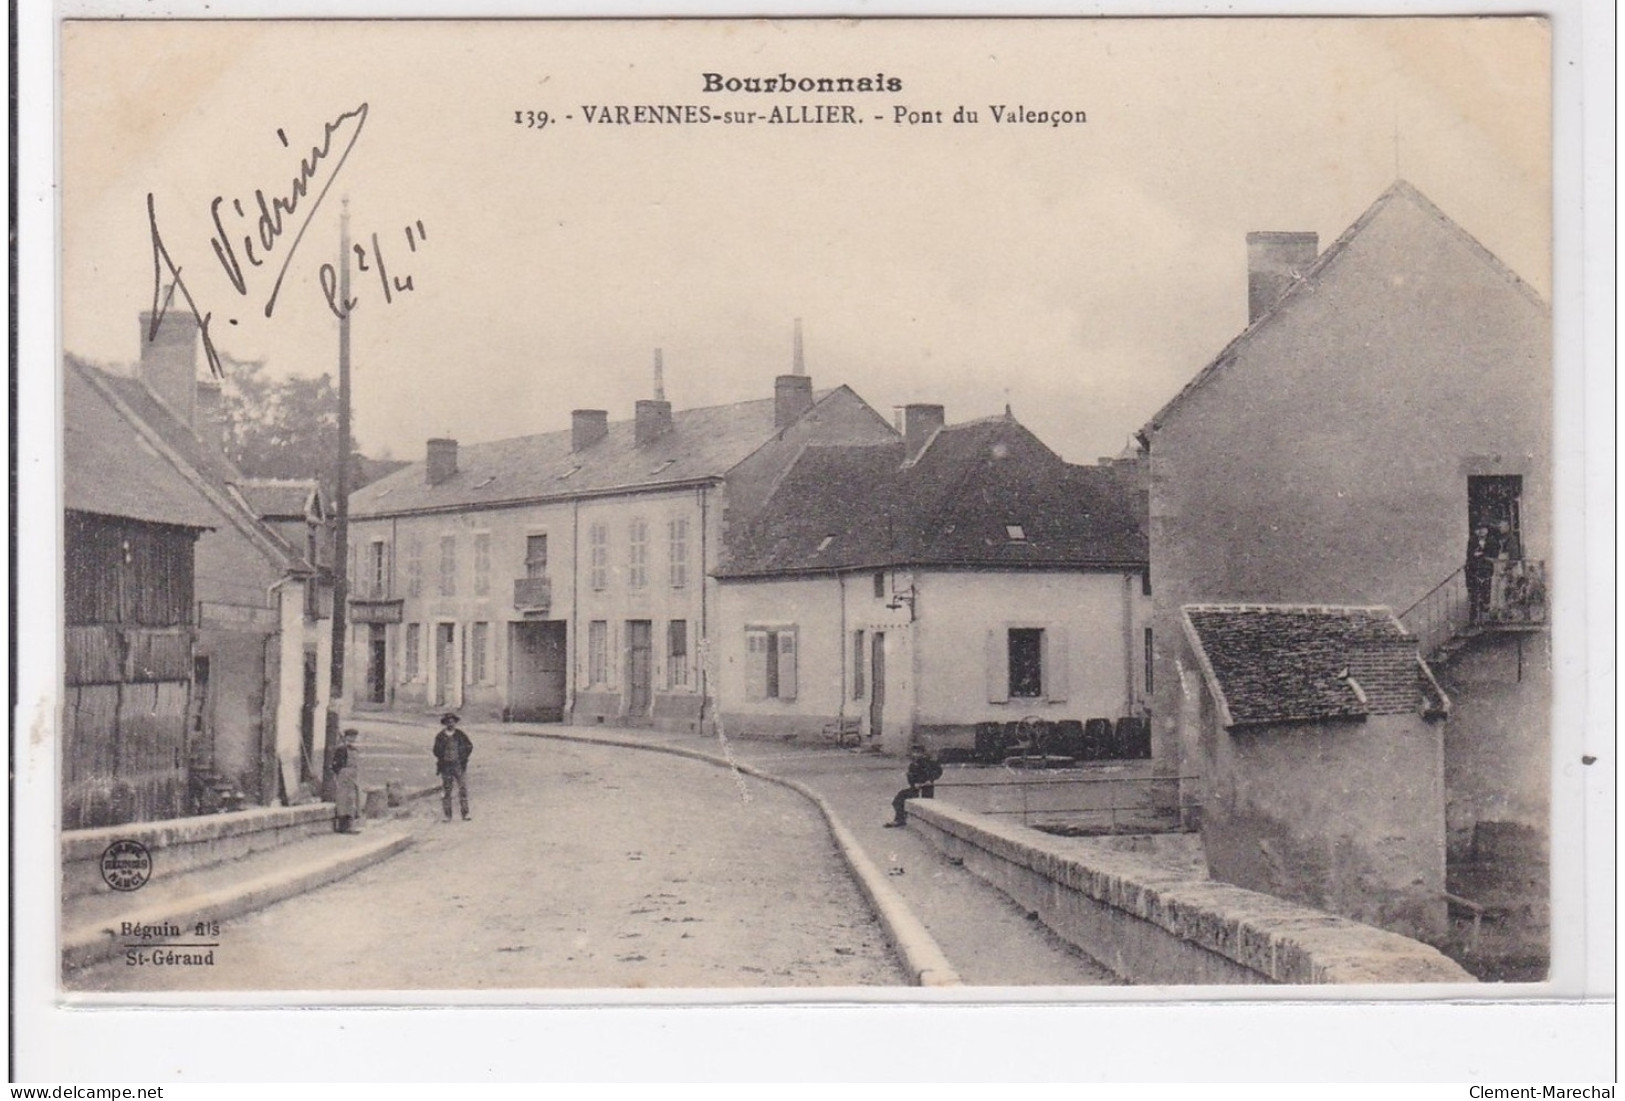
276, 217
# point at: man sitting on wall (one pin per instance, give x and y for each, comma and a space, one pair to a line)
923, 773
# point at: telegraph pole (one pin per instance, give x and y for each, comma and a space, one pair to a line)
341, 526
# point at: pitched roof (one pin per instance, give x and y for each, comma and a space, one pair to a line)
108, 468
279, 498
1309, 663
1398, 191
158, 433
957, 504
701, 443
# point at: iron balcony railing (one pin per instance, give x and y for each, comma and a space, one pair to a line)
532, 594
1512, 594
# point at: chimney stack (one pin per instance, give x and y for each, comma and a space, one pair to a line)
209, 417
442, 461
651, 420
168, 363
587, 427
792, 393
920, 423
660, 377
1275, 261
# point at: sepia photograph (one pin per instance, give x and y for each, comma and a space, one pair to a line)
807, 508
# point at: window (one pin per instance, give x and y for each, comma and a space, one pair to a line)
598, 652
677, 652
637, 555
678, 532
880, 585
770, 663
414, 642
414, 568
479, 641
378, 567
857, 665
448, 565
598, 543
535, 556
1145, 582
482, 563
1150, 654
1027, 663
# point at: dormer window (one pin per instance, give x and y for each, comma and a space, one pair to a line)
569, 473
824, 544
1015, 533
663, 467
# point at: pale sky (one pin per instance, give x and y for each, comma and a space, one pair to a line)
1082, 273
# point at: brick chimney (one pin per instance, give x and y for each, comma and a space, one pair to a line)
442, 461
587, 427
920, 423
792, 393
651, 418
168, 363
1275, 260
209, 415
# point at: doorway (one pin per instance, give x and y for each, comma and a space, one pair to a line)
307, 722
877, 684
447, 672
1494, 500
377, 663
536, 671
639, 667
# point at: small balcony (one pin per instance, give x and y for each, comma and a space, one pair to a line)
532, 595
372, 602
1511, 596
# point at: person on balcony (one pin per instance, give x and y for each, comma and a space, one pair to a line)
1506, 553
1482, 550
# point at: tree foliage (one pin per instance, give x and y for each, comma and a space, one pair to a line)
284, 428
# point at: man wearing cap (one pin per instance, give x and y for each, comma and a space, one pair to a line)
923, 773
347, 783
452, 750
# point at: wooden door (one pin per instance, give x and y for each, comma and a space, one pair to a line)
639, 666
877, 684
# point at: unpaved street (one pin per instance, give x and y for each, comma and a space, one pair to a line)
583, 866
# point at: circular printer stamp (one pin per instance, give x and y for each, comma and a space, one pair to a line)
126, 865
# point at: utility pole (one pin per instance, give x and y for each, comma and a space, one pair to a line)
341, 526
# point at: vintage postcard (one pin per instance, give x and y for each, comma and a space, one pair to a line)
811, 509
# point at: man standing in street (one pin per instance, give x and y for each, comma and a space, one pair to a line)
452, 750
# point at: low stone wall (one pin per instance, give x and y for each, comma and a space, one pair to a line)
1155, 920
184, 844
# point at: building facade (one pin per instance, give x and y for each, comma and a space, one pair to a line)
256, 620
565, 576
920, 590
1388, 404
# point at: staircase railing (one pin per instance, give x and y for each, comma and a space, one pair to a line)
1513, 595
1444, 612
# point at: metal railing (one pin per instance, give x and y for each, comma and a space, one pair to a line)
1082, 804
532, 594
1512, 593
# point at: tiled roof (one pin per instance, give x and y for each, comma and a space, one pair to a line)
1297, 663
278, 498
702, 443
108, 468
984, 493
159, 434
1399, 190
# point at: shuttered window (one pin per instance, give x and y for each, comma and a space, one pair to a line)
770, 664
1027, 663
598, 652
677, 653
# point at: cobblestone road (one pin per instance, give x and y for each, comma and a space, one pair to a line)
584, 866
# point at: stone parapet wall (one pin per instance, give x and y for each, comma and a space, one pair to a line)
186, 844
1154, 919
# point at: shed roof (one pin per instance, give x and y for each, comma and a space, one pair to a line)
984, 493
108, 468
1309, 663
702, 443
